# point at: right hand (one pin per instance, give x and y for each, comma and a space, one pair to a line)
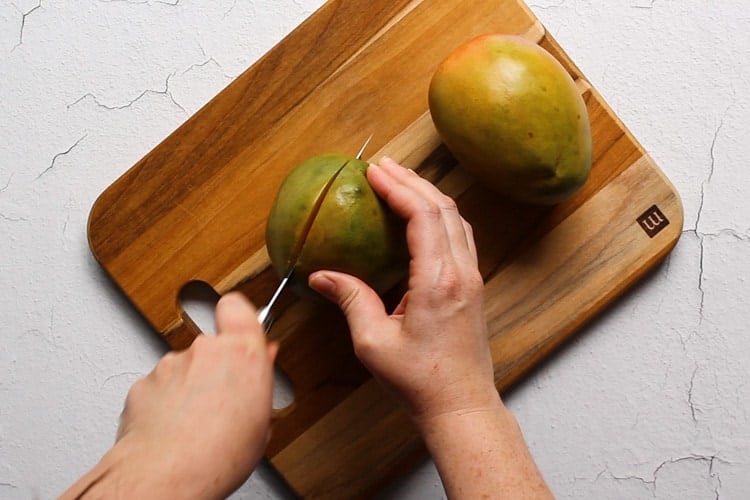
198, 424
433, 349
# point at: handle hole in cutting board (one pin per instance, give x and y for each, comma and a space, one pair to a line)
198, 299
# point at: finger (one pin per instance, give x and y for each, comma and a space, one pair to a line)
410, 178
236, 315
469, 232
400, 309
449, 211
454, 226
172, 361
460, 233
359, 303
273, 350
122, 425
370, 326
451, 218
426, 234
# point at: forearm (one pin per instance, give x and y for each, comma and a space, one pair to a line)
110, 478
87, 485
482, 454
122, 473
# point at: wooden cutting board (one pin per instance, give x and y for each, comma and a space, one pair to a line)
195, 207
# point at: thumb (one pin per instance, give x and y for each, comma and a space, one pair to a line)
359, 303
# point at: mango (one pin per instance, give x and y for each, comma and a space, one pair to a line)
326, 216
511, 114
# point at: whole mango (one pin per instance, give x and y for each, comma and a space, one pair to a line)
511, 115
326, 216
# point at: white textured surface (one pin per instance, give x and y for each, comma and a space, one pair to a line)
650, 401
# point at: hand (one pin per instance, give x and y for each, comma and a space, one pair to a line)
433, 350
198, 424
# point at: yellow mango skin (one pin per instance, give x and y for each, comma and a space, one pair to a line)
511, 115
351, 229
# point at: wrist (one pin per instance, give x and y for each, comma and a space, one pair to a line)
485, 441
129, 470
473, 398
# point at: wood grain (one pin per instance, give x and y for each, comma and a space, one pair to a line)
195, 207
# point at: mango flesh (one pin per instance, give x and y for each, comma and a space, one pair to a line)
326, 216
511, 115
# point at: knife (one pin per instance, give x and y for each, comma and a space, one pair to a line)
264, 313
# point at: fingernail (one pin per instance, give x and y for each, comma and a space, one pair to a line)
235, 297
387, 160
273, 350
375, 170
323, 285
411, 171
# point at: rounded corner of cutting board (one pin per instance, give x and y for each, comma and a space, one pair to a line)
680, 222
680, 206
95, 220
677, 208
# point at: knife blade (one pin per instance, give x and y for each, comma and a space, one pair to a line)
264, 313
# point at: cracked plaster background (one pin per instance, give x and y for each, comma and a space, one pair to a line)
651, 400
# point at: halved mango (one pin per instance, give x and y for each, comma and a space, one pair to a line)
326, 216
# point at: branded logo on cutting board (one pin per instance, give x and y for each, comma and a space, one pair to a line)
653, 221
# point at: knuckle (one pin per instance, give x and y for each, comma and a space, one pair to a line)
459, 283
201, 346
167, 360
430, 209
250, 351
448, 203
449, 284
364, 347
135, 392
199, 342
475, 283
168, 363
468, 227
347, 301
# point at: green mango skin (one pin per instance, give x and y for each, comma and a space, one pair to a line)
511, 115
327, 213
